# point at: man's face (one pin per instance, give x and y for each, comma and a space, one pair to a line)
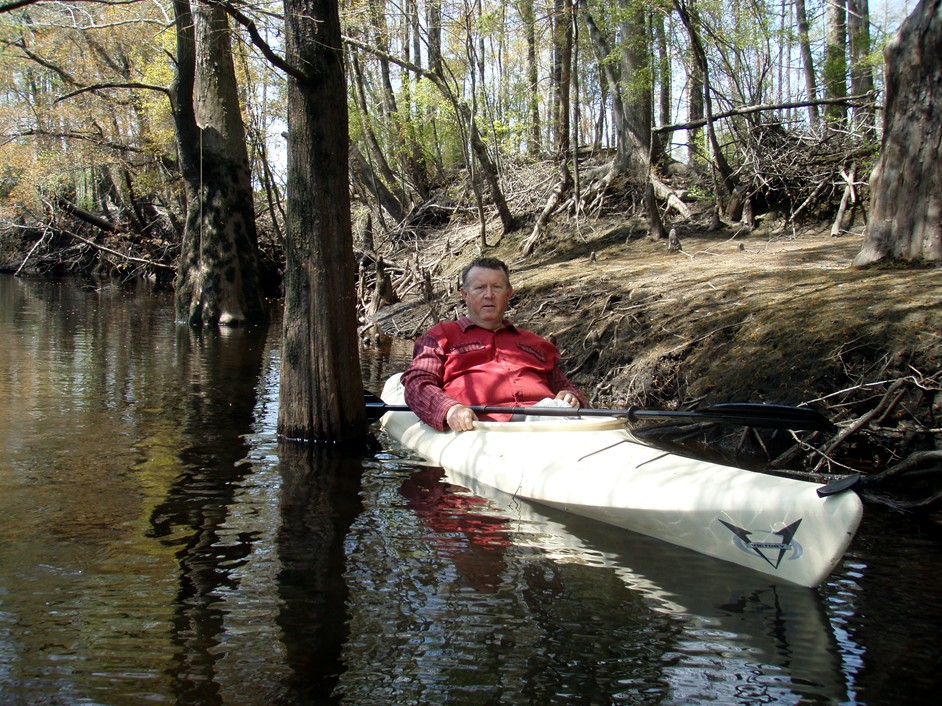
487, 293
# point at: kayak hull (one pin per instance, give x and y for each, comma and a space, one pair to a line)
595, 468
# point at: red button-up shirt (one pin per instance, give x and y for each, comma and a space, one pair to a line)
457, 362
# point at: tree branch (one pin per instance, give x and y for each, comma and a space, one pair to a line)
749, 109
108, 250
263, 46
103, 86
11, 6
83, 215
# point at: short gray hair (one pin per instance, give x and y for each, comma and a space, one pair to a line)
488, 263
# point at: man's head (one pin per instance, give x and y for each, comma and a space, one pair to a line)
485, 288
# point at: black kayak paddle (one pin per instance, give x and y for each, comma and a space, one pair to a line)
771, 416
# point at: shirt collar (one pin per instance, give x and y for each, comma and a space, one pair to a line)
465, 323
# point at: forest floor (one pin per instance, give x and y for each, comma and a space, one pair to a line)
774, 315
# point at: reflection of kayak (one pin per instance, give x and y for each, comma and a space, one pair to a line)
775, 632
597, 469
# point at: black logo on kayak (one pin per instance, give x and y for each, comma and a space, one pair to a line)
761, 544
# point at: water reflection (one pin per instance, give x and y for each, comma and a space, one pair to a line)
473, 540
592, 614
319, 501
220, 369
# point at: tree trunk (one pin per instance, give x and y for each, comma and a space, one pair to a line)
638, 98
217, 276
906, 185
804, 42
562, 65
689, 17
861, 72
433, 22
665, 104
835, 60
696, 145
529, 29
385, 199
321, 395
601, 47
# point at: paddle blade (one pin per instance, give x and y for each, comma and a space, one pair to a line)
775, 416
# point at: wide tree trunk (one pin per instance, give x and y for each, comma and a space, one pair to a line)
638, 95
906, 185
321, 396
906, 212
217, 276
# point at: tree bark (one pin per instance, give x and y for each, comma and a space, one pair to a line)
835, 60
321, 395
906, 185
804, 42
638, 93
217, 276
534, 142
861, 73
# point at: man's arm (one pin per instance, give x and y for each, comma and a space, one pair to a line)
423, 383
560, 384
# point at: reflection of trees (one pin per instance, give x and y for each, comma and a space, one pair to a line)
223, 370
600, 642
319, 501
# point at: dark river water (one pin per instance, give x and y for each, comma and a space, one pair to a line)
159, 545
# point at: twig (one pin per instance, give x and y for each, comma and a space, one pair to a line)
25, 259
129, 258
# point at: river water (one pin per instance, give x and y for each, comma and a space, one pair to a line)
159, 545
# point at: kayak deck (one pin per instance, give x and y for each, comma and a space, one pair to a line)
595, 468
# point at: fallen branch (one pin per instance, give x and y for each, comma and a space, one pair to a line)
129, 258
888, 399
914, 460
26, 259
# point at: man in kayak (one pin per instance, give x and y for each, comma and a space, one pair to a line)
482, 358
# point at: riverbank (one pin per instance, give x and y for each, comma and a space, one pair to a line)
773, 315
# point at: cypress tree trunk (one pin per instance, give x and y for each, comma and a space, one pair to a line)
217, 276
321, 389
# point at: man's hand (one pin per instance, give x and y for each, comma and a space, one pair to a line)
460, 418
568, 398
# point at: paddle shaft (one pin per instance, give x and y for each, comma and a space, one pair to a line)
755, 415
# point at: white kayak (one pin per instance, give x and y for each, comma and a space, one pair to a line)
595, 468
